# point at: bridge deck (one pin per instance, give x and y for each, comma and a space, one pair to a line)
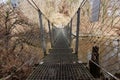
61, 72
61, 64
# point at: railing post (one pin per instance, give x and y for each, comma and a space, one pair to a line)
70, 32
42, 33
77, 33
53, 36
50, 34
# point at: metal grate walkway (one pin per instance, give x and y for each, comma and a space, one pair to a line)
61, 64
61, 72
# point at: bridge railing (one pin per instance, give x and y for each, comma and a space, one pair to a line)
44, 23
110, 56
104, 70
52, 31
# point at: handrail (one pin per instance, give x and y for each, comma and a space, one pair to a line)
105, 70
34, 5
82, 4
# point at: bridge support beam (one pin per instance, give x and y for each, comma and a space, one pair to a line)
42, 37
77, 32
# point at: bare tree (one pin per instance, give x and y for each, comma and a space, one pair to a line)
18, 39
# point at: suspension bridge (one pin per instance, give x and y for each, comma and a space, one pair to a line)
69, 43
61, 62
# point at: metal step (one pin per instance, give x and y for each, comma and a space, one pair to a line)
57, 50
61, 64
61, 41
61, 72
55, 58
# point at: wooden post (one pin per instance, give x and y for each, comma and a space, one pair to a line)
94, 69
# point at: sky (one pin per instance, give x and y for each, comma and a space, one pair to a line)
3, 1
